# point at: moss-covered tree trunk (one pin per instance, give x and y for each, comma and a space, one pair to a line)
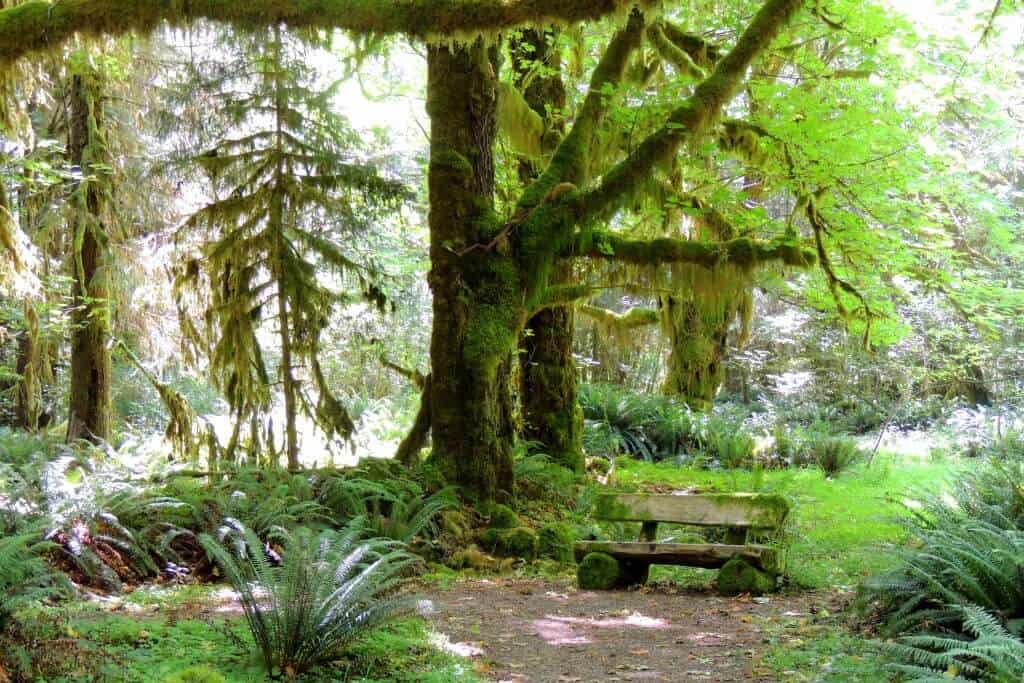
89, 410
550, 413
474, 289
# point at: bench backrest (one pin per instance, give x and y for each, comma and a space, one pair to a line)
736, 510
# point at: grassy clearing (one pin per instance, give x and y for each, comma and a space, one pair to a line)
145, 646
839, 528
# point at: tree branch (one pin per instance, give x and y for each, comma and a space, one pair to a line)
38, 24
743, 251
692, 118
673, 54
638, 316
570, 159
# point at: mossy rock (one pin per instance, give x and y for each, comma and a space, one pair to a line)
195, 674
455, 524
598, 571
502, 517
555, 540
518, 542
738, 576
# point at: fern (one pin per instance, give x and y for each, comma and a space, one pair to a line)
24, 575
992, 654
329, 588
396, 510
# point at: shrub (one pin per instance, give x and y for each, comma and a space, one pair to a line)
961, 576
24, 575
835, 454
328, 588
554, 540
397, 510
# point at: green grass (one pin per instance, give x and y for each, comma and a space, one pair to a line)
840, 530
818, 649
80, 642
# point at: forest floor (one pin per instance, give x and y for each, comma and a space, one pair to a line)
536, 630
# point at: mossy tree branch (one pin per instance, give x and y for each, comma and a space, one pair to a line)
39, 24
743, 251
638, 316
571, 157
673, 54
692, 118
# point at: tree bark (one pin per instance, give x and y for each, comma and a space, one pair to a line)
551, 417
476, 322
89, 410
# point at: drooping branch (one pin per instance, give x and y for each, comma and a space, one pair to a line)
743, 251
835, 283
38, 24
635, 317
693, 117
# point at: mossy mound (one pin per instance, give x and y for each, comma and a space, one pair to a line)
195, 674
502, 517
597, 571
473, 558
518, 542
555, 540
738, 576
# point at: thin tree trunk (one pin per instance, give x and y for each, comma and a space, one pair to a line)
474, 293
89, 409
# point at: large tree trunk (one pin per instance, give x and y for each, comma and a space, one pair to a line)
89, 397
475, 290
551, 416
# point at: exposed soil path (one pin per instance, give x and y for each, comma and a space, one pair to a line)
541, 631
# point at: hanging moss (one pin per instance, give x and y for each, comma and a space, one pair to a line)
39, 24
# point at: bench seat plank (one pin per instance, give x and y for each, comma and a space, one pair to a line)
707, 555
735, 510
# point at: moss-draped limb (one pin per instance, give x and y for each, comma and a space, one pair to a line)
570, 160
743, 252
703, 53
673, 54
693, 117
563, 295
635, 317
39, 24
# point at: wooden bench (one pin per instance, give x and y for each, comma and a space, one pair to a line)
737, 513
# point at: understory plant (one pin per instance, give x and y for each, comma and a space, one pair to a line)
835, 454
24, 574
955, 605
327, 588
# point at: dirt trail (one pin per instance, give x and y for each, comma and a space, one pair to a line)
548, 632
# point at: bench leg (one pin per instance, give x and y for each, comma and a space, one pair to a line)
735, 536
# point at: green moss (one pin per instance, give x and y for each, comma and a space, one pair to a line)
555, 540
738, 576
519, 542
516, 542
501, 517
597, 571
195, 674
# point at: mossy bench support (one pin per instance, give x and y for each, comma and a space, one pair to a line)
737, 513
